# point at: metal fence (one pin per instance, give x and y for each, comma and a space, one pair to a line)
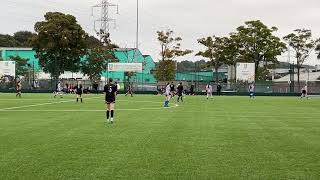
266, 87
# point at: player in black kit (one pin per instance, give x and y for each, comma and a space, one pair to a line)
110, 91
79, 92
180, 92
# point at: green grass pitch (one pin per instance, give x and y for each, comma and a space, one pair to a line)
224, 138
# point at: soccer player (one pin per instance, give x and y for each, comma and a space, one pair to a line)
252, 91
304, 92
59, 90
18, 89
168, 95
209, 90
129, 90
219, 87
180, 92
172, 90
110, 91
192, 90
79, 92
118, 87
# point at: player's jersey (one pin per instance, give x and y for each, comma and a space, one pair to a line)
180, 88
305, 90
19, 87
79, 89
110, 92
59, 88
251, 88
168, 90
209, 89
171, 87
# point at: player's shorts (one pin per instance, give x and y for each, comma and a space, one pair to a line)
110, 101
179, 93
304, 92
79, 93
251, 93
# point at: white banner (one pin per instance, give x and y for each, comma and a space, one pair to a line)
125, 67
246, 72
8, 68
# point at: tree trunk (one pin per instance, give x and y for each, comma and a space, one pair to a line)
256, 71
298, 67
217, 74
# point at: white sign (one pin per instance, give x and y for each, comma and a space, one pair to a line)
8, 68
125, 67
246, 72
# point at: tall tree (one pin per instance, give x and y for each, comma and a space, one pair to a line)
7, 41
24, 38
303, 44
215, 51
60, 43
93, 42
258, 44
170, 50
318, 51
97, 61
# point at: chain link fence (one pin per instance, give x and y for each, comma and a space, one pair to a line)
196, 87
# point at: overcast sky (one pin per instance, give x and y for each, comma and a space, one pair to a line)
189, 19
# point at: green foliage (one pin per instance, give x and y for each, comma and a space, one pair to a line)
185, 66
170, 49
24, 38
7, 41
59, 44
93, 42
21, 65
19, 39
97, 61
258, 44
215, 51
302, 43
166, 70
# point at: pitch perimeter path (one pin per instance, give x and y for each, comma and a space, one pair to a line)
225, 138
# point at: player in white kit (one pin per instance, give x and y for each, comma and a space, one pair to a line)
59, 90
209, 91
304, 92
168, 95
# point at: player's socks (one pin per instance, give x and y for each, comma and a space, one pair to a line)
77, 99
112, 114
108, 114
81, 100
166, 104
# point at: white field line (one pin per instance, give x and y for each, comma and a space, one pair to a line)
77, 110
16, 109
41, 104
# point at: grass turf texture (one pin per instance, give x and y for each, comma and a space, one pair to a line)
225, 138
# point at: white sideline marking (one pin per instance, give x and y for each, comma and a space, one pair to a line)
75, 110
41, 104
14, 109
